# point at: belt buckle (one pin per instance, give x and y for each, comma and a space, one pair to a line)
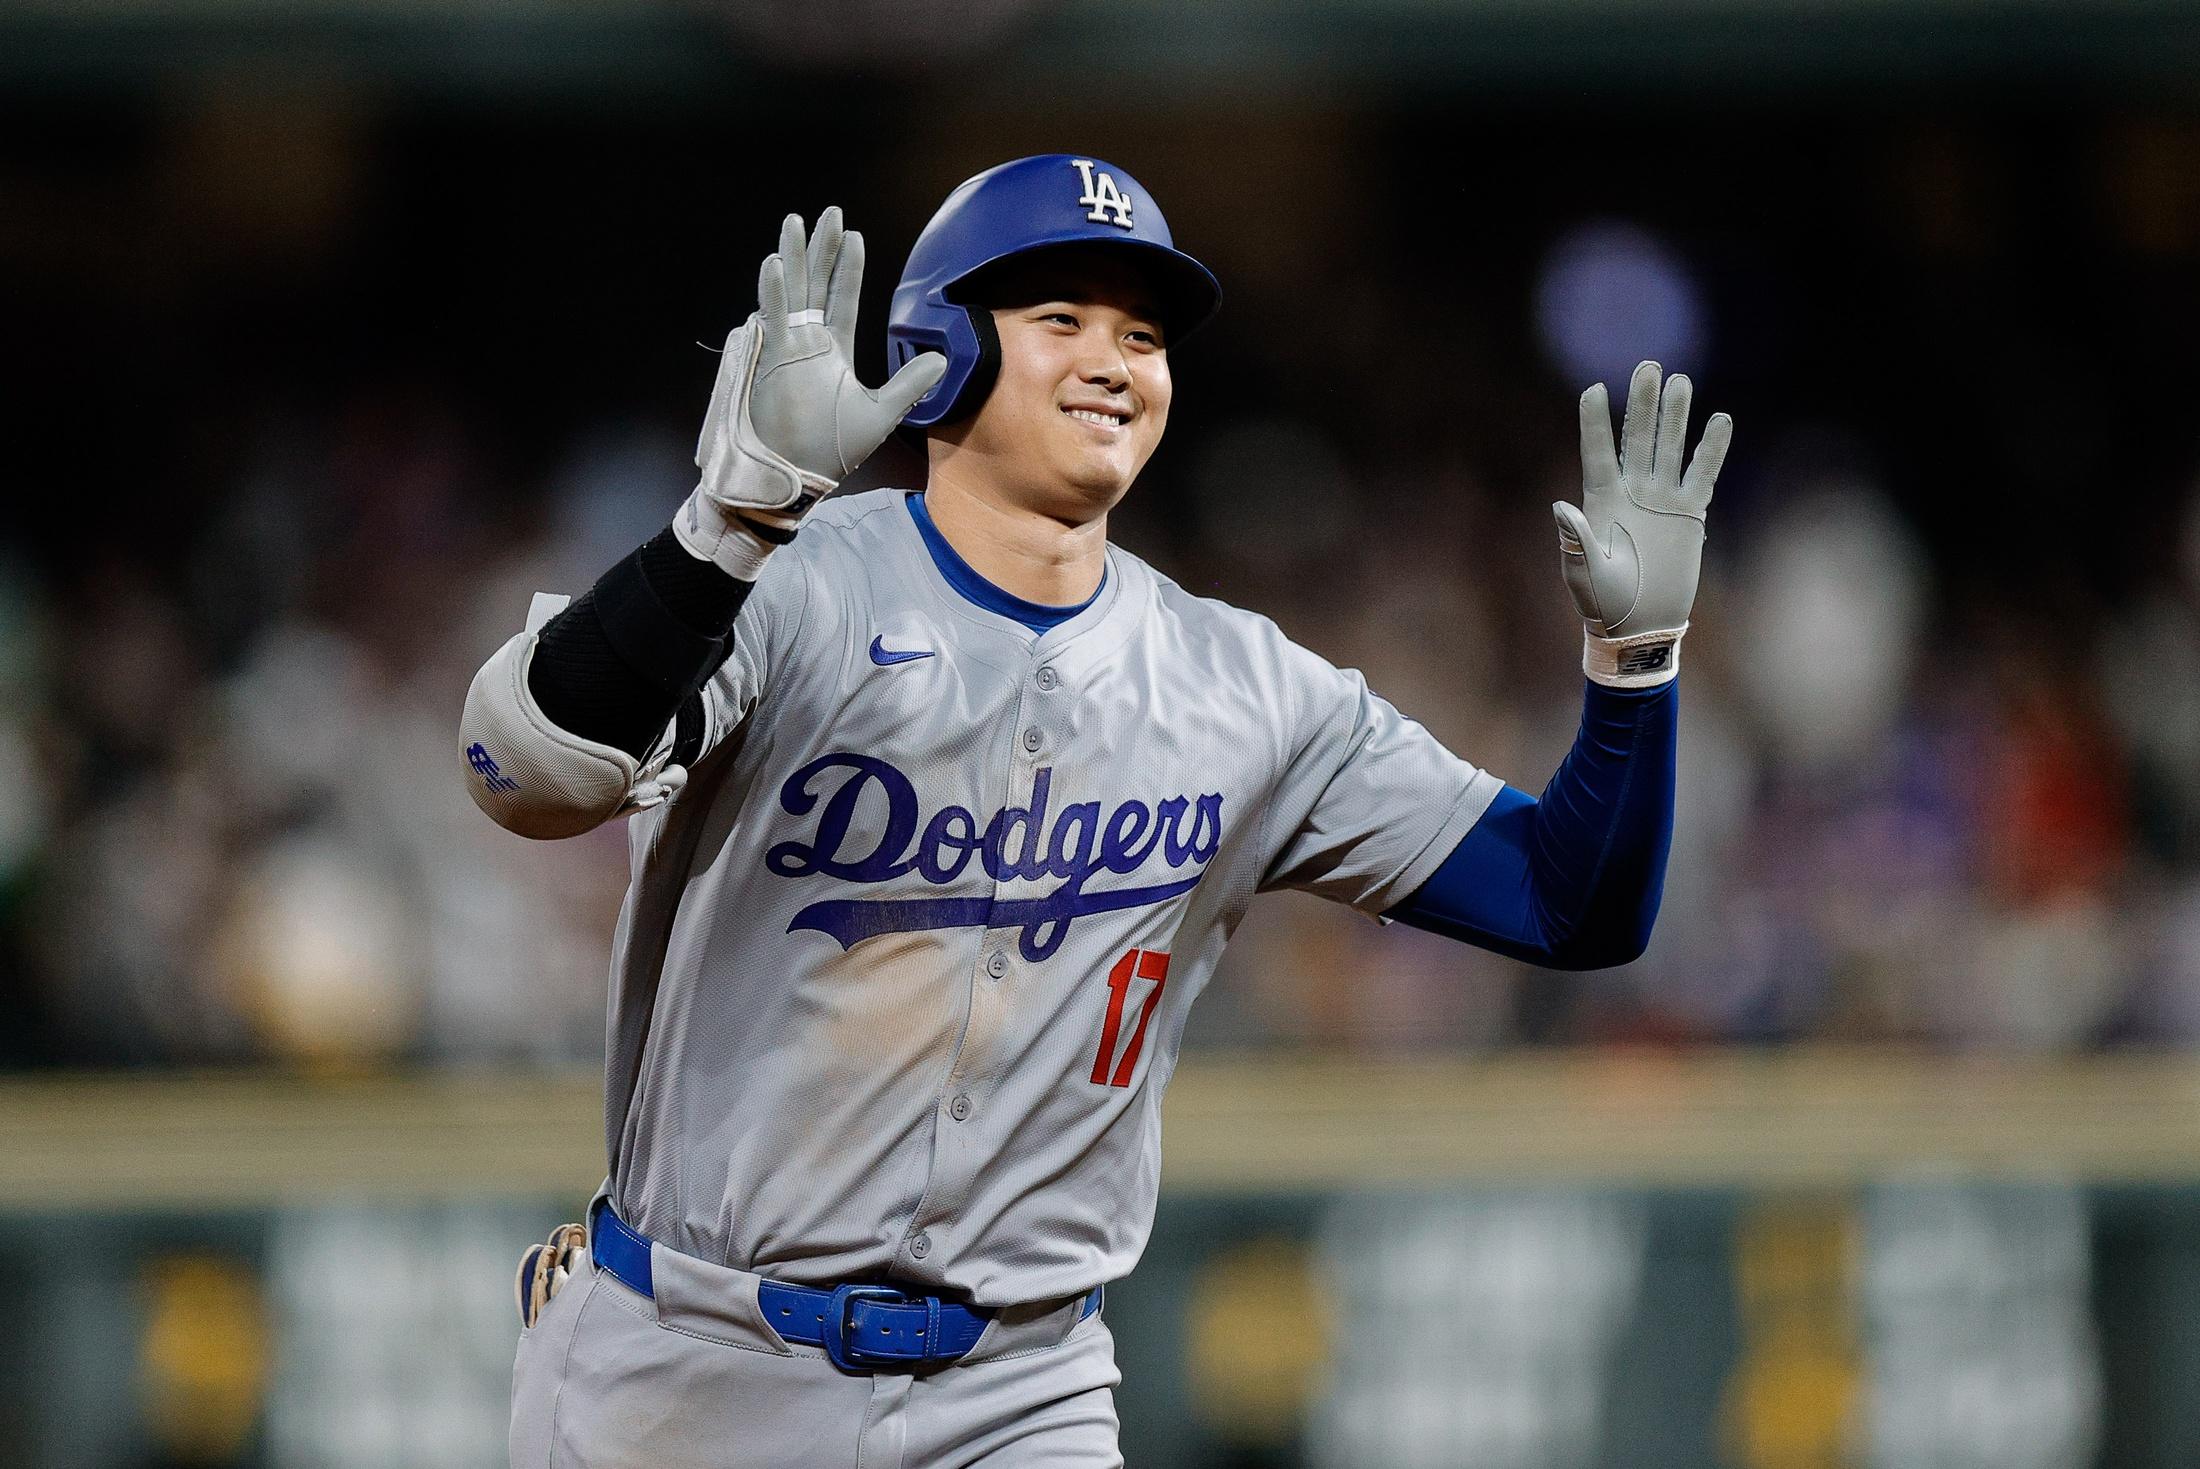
850, 1356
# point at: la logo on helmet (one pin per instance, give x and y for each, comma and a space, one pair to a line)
1104, 202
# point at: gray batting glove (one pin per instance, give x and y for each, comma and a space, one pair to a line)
788, 417
1632, 550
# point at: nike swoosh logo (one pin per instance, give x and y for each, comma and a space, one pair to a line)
885, 659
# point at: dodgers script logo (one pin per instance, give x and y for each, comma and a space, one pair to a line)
1018, 842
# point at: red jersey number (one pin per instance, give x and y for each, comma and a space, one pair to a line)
1136, 965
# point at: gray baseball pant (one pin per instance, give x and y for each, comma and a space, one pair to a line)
608, 1378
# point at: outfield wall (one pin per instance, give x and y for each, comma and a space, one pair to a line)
1550, 1261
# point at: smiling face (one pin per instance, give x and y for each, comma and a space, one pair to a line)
1082, 393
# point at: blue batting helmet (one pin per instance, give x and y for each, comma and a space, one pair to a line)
1032, 204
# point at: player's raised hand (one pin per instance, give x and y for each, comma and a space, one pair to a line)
788, 416
1632, 549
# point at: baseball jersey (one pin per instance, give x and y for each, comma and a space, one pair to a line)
902, 973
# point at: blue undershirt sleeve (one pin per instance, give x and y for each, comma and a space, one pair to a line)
1571, 880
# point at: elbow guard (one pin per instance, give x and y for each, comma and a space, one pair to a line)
536, 779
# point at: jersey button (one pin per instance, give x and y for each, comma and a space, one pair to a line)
959, 1109
920, 1247
997, 965
1049, 679
1033, 739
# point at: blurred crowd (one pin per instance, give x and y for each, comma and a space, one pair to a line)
1940, 782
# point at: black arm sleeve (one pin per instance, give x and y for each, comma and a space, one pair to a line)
635, 651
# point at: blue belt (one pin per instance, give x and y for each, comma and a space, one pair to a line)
861, 1327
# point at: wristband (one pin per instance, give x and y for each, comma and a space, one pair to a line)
1642, 661
713, 533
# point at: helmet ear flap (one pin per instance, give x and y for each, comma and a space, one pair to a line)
984, 369
966, 337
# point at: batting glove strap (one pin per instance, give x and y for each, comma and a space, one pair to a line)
1640, 662
728, 539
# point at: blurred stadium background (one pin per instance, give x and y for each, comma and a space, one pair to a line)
336, 328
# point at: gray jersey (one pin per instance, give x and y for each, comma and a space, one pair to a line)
904, 969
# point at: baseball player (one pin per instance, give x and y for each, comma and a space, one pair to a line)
944, 809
